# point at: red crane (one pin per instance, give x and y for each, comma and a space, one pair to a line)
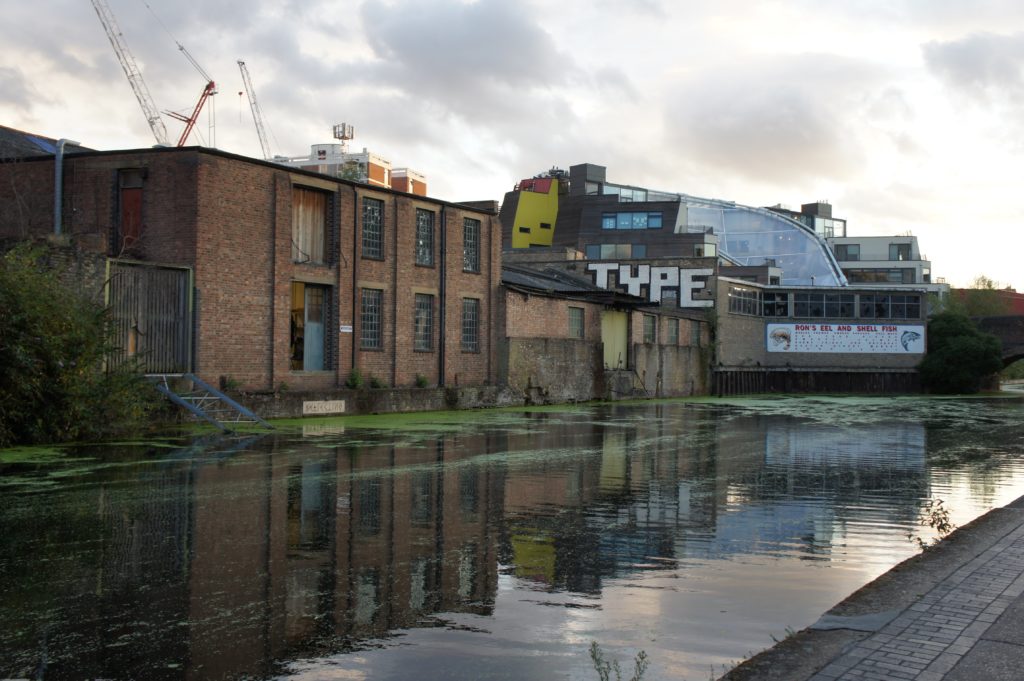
208, 91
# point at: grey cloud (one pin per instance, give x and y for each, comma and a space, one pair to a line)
16, 91
783, 120
983, 65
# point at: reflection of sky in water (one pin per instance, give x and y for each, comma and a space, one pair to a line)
493, 545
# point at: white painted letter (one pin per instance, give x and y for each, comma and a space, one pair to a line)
601, 270
687, 286
642, 278
661, 279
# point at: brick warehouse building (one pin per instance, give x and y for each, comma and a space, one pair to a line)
263, 276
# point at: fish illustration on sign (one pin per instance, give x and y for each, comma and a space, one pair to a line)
907, 338
781, 337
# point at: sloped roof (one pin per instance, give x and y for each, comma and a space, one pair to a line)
551, 281
20, 144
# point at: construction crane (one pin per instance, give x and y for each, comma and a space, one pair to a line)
131, 70
257, 114
208, 91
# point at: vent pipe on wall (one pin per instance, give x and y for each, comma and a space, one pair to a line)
58, 184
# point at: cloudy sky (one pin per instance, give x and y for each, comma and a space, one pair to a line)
906, 115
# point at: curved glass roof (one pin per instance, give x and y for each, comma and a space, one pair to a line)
750, 235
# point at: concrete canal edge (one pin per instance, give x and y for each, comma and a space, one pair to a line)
799, 656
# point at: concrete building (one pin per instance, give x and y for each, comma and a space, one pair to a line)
784, 316
612, 221
361, 166
262, 276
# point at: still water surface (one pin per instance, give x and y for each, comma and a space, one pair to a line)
486, 545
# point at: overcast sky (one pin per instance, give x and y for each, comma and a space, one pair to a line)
906, 115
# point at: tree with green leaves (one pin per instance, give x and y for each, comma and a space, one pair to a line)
981, 299
959, 356
54, 385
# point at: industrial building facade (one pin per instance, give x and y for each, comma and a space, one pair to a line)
291, 279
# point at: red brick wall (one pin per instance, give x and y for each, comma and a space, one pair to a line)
230, 219
543, 317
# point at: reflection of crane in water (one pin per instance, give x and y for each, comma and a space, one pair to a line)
134, 75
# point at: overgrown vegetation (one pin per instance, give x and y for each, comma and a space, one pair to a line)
959, 355
53, 346
354, 380
605, 668
935, 515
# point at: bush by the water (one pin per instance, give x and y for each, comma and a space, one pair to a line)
53, 343
959, 355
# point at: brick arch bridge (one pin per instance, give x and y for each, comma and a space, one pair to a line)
1009, 329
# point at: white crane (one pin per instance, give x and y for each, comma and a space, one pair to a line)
257, 114
131, 70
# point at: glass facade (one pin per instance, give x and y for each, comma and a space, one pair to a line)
749, 236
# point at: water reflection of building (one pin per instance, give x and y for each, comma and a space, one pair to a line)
237, 563
347, 546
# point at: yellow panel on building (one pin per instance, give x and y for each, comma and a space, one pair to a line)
536, 213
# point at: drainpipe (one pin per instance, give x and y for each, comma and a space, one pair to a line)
58, 184
442, 308
355, 273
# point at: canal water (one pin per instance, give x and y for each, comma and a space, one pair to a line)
481, 545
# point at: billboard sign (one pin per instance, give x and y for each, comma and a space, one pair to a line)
846, 338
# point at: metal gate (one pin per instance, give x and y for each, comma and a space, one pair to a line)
151, 310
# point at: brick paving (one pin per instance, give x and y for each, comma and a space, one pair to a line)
932, 636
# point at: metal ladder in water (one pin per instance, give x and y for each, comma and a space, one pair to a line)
206, 402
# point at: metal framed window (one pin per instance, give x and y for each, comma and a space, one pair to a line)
672, 331
650, 329
744, 300
470, 245
423, 323
775, 304
839, 305
874, 306
808, 304
373, 229
424, 237
470, 325
371, 330
847, 252
899, 251
576, 322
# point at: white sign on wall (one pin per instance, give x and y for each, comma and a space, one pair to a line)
856, 338
651, 282
319, 407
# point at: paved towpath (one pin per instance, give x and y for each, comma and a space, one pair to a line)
955, 613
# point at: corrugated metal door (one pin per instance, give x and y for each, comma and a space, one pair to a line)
151, 308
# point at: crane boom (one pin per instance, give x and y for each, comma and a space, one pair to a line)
131, 70
257, 114
190, 121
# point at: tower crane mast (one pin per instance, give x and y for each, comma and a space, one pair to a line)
257, 114
131, 70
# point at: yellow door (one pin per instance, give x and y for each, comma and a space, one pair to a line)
614, 327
